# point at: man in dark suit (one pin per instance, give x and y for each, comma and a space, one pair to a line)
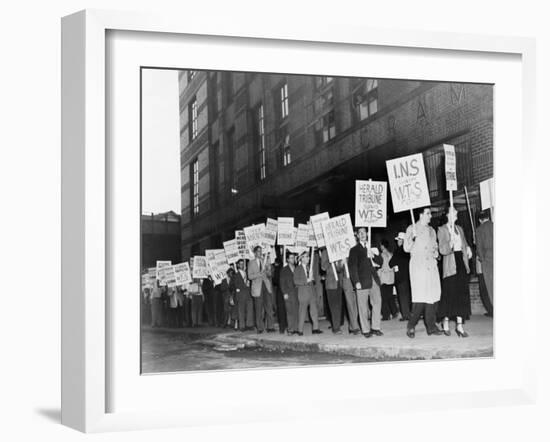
209, 301
484, 249
226, 289
399, 262
306, 295
241, 289
362, 273
290, 295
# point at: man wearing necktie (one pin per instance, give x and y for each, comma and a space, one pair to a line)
362, 273
306, 296
245, 306
261, 288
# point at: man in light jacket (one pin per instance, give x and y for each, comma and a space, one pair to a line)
259, 274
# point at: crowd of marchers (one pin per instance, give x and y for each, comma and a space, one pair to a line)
425, 274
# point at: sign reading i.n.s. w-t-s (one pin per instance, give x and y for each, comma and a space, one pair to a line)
408, 184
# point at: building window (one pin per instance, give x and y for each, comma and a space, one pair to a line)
261, 142
284, 101
323, 101
195, 187
321, 82
287, 159
365, 99
193, 119
215, 172
325, 127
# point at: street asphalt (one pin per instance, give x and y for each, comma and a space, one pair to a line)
207, 348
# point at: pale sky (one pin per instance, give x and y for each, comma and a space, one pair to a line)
160, 142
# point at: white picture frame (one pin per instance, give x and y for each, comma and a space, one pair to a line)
86, 205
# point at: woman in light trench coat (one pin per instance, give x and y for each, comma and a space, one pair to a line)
421, 243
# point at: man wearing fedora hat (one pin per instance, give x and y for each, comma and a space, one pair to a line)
399, 262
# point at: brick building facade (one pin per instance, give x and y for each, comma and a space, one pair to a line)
266, 145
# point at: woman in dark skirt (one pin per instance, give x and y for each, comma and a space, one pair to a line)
455, 292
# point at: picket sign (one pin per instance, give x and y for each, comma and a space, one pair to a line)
486, 194
316, 221
200, 267
408, 184
232, 251
183, 273
160, 265
450, 174
270, 232
254, 237
161, 276
170, 276
241, 243
370, 203
285, 231
339, 238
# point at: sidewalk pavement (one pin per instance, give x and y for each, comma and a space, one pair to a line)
394, 345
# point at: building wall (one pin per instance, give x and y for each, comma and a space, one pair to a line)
160, 239
412, 117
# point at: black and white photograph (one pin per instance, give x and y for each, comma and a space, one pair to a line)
301, 220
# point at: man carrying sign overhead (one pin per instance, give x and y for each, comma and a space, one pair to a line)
362, 273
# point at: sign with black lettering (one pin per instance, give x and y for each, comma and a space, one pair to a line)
232, 250
408, 184
370, 203
450, 167
316, 221
286, 232
183, 273
339, 237
200, 267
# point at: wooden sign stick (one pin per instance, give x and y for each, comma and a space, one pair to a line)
452, 209
369, 233
368, 242
311, 263
412, 219
470, 213
334, 270
347, 269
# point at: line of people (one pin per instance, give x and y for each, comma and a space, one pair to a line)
425, 276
